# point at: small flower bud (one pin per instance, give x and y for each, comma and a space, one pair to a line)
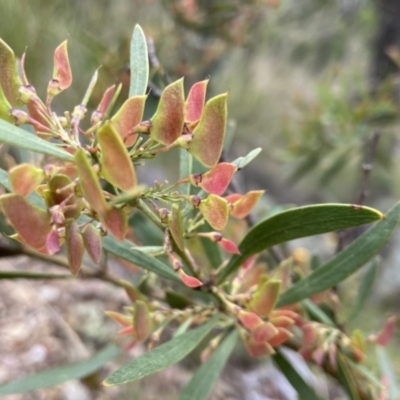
195, 200
163, 213
20, 117
27, 93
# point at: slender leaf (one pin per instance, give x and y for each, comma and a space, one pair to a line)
344, 263
303, 389
31, 275
58, 375
297, 223
139, 63
203, 380
317, 313
185, 169
387, 370
241, 162
365, 288
125, 251
162, 356
346, 378
20, 138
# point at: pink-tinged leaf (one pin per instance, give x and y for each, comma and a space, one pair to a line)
74, 246
9, 79
216, 180
175, 225
30, 222
242, 207
120, 318
229, 246
142, 322
92, 241
61, 191
128, 116
252, 276
167, 122
24, 178
282, 322
195, 102
281, 337
257, 349
105, 102
387, 331
215, 210
62, 74
116, 222
132, 292
249, 319
89, 183
264, 332
116, 166
53, 242
265, 298
189, 281
39, 122
209, 134
231, 198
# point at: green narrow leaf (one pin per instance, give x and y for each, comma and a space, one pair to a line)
212, 251
297, 223
30, 275
241, 162
203, 380
139, 63
365, 288
317, 313
11, 134
387, 370
346, 378
161, 357
302, 388
58, 375
137, 257
185, 169
344, 263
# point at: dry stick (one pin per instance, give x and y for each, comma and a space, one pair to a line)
367, 166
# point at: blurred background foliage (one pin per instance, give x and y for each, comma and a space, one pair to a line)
309, 81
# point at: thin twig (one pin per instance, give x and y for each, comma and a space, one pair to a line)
344, 236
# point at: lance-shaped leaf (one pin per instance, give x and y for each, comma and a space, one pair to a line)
139, 63
344, 263
200, 385
116, 166
9, 79
256, 349
61, 190
128, 116
53, 242
195, 102
175, 225
208, 136
161, 357
215, 210
74, 245
25, 178
116, 222
216, 180
241, 205
62, 75
5, 107
105, 102
18, 137
89, 184
142, 322
30, 222
92, 241
300, 222
229, 246
167, 122
264, 299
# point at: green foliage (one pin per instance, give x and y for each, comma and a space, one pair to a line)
84, 195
